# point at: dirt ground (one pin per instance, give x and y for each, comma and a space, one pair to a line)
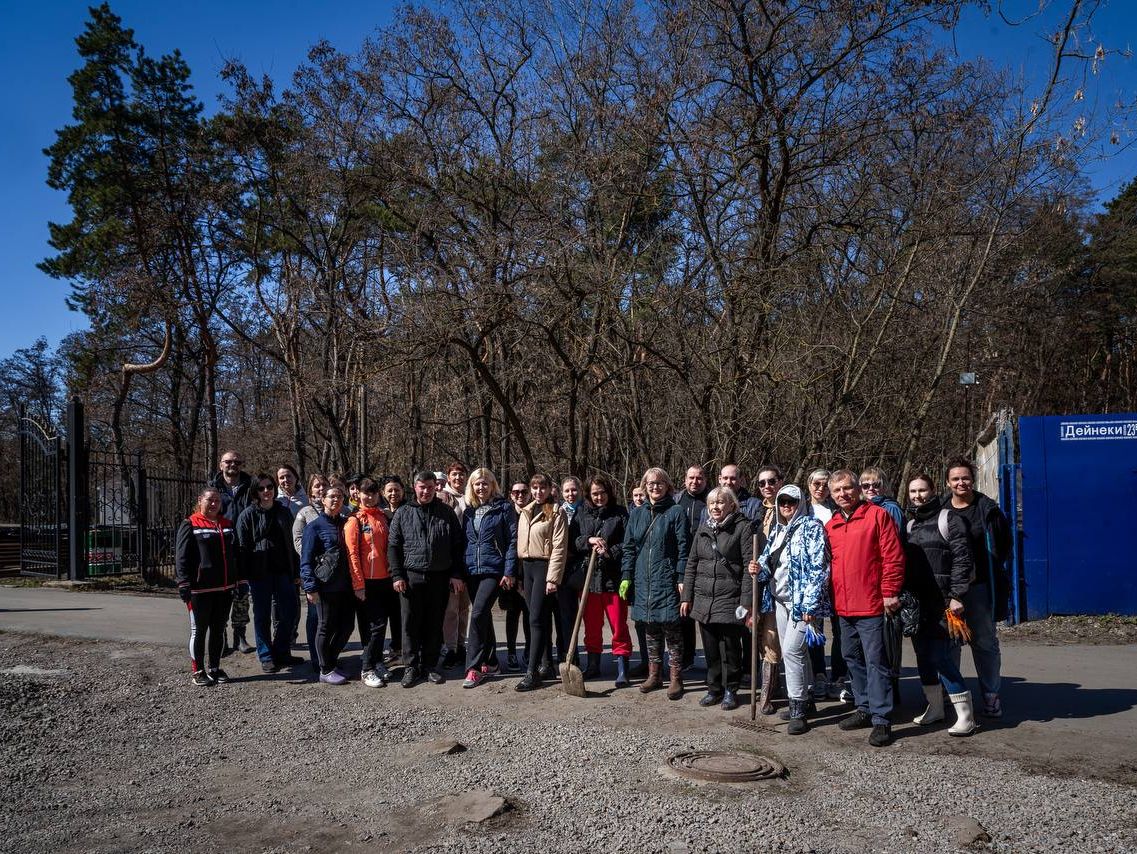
106, 746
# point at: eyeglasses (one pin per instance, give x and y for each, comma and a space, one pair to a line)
770, 482
658, 484
870, 484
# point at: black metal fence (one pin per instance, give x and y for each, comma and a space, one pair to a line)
93, 514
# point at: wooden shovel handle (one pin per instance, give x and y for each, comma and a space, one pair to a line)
580, 610
753, 633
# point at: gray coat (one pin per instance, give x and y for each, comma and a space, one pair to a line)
712, 584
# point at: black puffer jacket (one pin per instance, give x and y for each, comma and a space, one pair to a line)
426, 538
264, 536
607, 522
206, 555
712, 584
938, 569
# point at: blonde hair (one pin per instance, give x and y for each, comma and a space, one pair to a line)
727, 495
660, 474
480, 474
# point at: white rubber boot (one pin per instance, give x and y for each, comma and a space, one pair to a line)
935, 711
964, 716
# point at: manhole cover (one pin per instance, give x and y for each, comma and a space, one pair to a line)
714, 766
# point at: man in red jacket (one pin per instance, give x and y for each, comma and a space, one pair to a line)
868, 571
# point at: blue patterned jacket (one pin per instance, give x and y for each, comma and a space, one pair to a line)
807, 556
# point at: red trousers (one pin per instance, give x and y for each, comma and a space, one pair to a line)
597, 606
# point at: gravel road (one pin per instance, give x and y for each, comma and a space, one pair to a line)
108, 747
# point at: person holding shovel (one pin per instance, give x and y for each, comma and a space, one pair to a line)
654, 560
600, 527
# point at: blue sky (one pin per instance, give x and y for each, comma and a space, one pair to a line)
37, 52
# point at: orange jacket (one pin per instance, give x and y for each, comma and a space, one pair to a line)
366, 536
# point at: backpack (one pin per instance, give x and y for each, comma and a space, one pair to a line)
941, 523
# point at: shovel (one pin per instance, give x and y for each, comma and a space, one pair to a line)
572, 680
754, 637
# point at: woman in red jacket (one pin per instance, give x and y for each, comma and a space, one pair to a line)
366, 537
206, 572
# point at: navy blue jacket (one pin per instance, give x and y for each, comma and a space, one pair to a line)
492, 549
320, 535
655, 558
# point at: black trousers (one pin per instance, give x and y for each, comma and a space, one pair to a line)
481, 644
336, 614
424, 609
722, 645
568, 600
380, 601
515, 606
208, 614
687, 626
540, 612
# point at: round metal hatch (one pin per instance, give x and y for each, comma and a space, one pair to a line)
715, 766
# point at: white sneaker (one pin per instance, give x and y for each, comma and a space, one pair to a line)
820, 687
373, 680
846, 695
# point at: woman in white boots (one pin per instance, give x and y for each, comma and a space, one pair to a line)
939, 571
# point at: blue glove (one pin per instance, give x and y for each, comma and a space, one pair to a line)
813, 637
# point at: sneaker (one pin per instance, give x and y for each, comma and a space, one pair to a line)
490, 669
857, 720
333, 678
448, 660
435, 678
372, 679
473, 678
383, 673
512, 664
820, 687
269, 666
881, 735
833, 689
845, 695
203, 679
219, 676
392, 656
410, 676
992, 706
528, 682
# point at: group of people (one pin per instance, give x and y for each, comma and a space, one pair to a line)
428, 568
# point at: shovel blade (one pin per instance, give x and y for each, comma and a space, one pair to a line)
572, 680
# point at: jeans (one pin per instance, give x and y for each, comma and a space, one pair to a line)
311, 626
722, 646
336, 612
795, 653
984, 641
273, 593
863, 640
540, 612
424, 609
481, 644
207, 615
935, 661
239, 616
837, 667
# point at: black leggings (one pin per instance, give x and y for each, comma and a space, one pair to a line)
540, 612
514, 605
208, 613
481, 645
336, 613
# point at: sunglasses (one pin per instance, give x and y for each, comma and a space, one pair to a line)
266, 487
770, 482
788, 502
870, 484
518, 491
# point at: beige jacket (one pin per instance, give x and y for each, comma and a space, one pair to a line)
539, 538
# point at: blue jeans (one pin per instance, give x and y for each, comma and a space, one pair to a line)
984, 641
278, 591
862, 639
934, 660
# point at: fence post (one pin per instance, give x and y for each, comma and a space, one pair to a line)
142, 523
78, 505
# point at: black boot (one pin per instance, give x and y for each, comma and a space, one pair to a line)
592, 671
798, 723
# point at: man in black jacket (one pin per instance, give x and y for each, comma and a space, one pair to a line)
426, 553
236, 488
693, 499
